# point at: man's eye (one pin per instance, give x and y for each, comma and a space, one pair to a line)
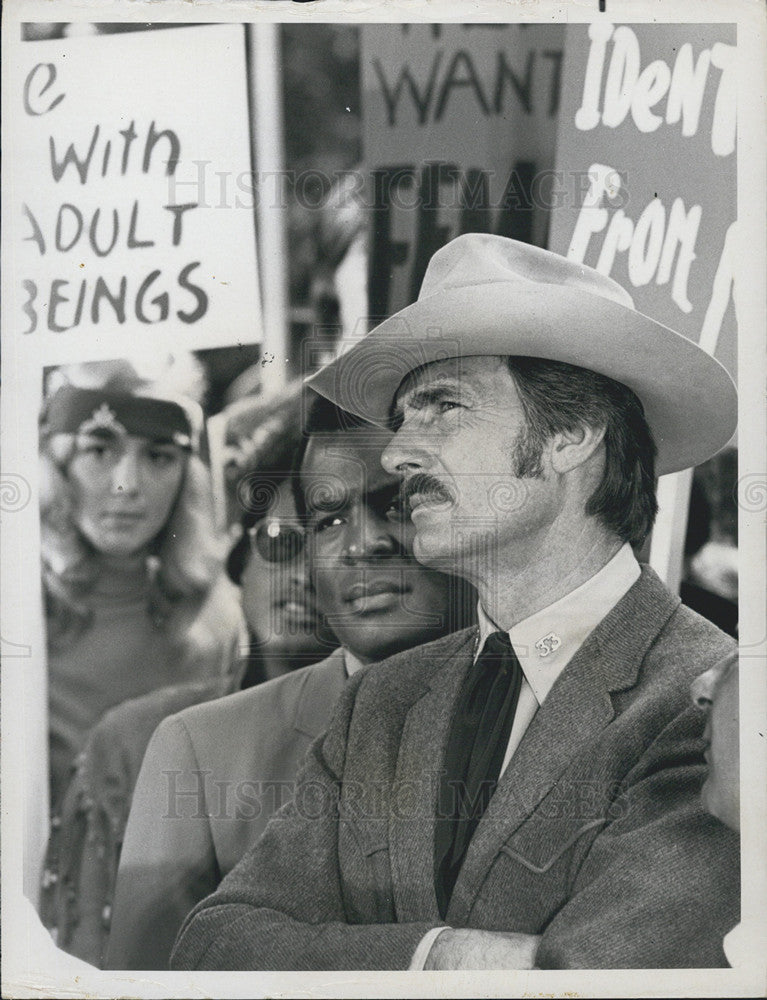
94, 448
396, 420
448, 404
327, 522
393, 510
161, 457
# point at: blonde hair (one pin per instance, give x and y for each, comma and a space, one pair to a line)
185, 559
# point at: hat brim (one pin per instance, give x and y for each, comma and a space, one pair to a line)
689, 399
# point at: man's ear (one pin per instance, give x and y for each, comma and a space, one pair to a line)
570, 449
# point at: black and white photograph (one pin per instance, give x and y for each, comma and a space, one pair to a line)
384, 504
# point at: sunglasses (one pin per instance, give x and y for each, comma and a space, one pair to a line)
276, 541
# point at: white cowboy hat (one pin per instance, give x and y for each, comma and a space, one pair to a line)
489, 295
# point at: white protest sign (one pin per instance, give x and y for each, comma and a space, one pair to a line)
648, 126
132, 206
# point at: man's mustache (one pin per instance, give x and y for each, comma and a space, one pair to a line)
427, 486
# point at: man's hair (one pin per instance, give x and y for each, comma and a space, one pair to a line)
559, 397
322, 417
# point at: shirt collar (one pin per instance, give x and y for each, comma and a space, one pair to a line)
351, 663
547, 641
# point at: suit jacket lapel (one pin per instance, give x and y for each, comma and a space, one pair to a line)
322, 687
412, 812
578, 707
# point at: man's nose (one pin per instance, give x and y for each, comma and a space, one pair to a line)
702, 690
369, 536
126, 475
296, 570
407, 450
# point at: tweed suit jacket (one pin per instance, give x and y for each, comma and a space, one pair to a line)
211, 777
593, 839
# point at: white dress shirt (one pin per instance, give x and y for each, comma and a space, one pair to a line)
545, 643
351, 663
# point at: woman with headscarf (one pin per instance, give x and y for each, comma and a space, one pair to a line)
135, 594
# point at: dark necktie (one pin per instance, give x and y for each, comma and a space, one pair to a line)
477, 742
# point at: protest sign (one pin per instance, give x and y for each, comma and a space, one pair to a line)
458, 136
647, 135
133, 212
647, 131
129, 233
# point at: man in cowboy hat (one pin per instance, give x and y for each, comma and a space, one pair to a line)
525, 793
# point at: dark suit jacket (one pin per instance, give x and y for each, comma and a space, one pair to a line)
211, 778
594, 837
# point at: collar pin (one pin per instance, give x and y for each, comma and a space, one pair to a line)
548, 644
